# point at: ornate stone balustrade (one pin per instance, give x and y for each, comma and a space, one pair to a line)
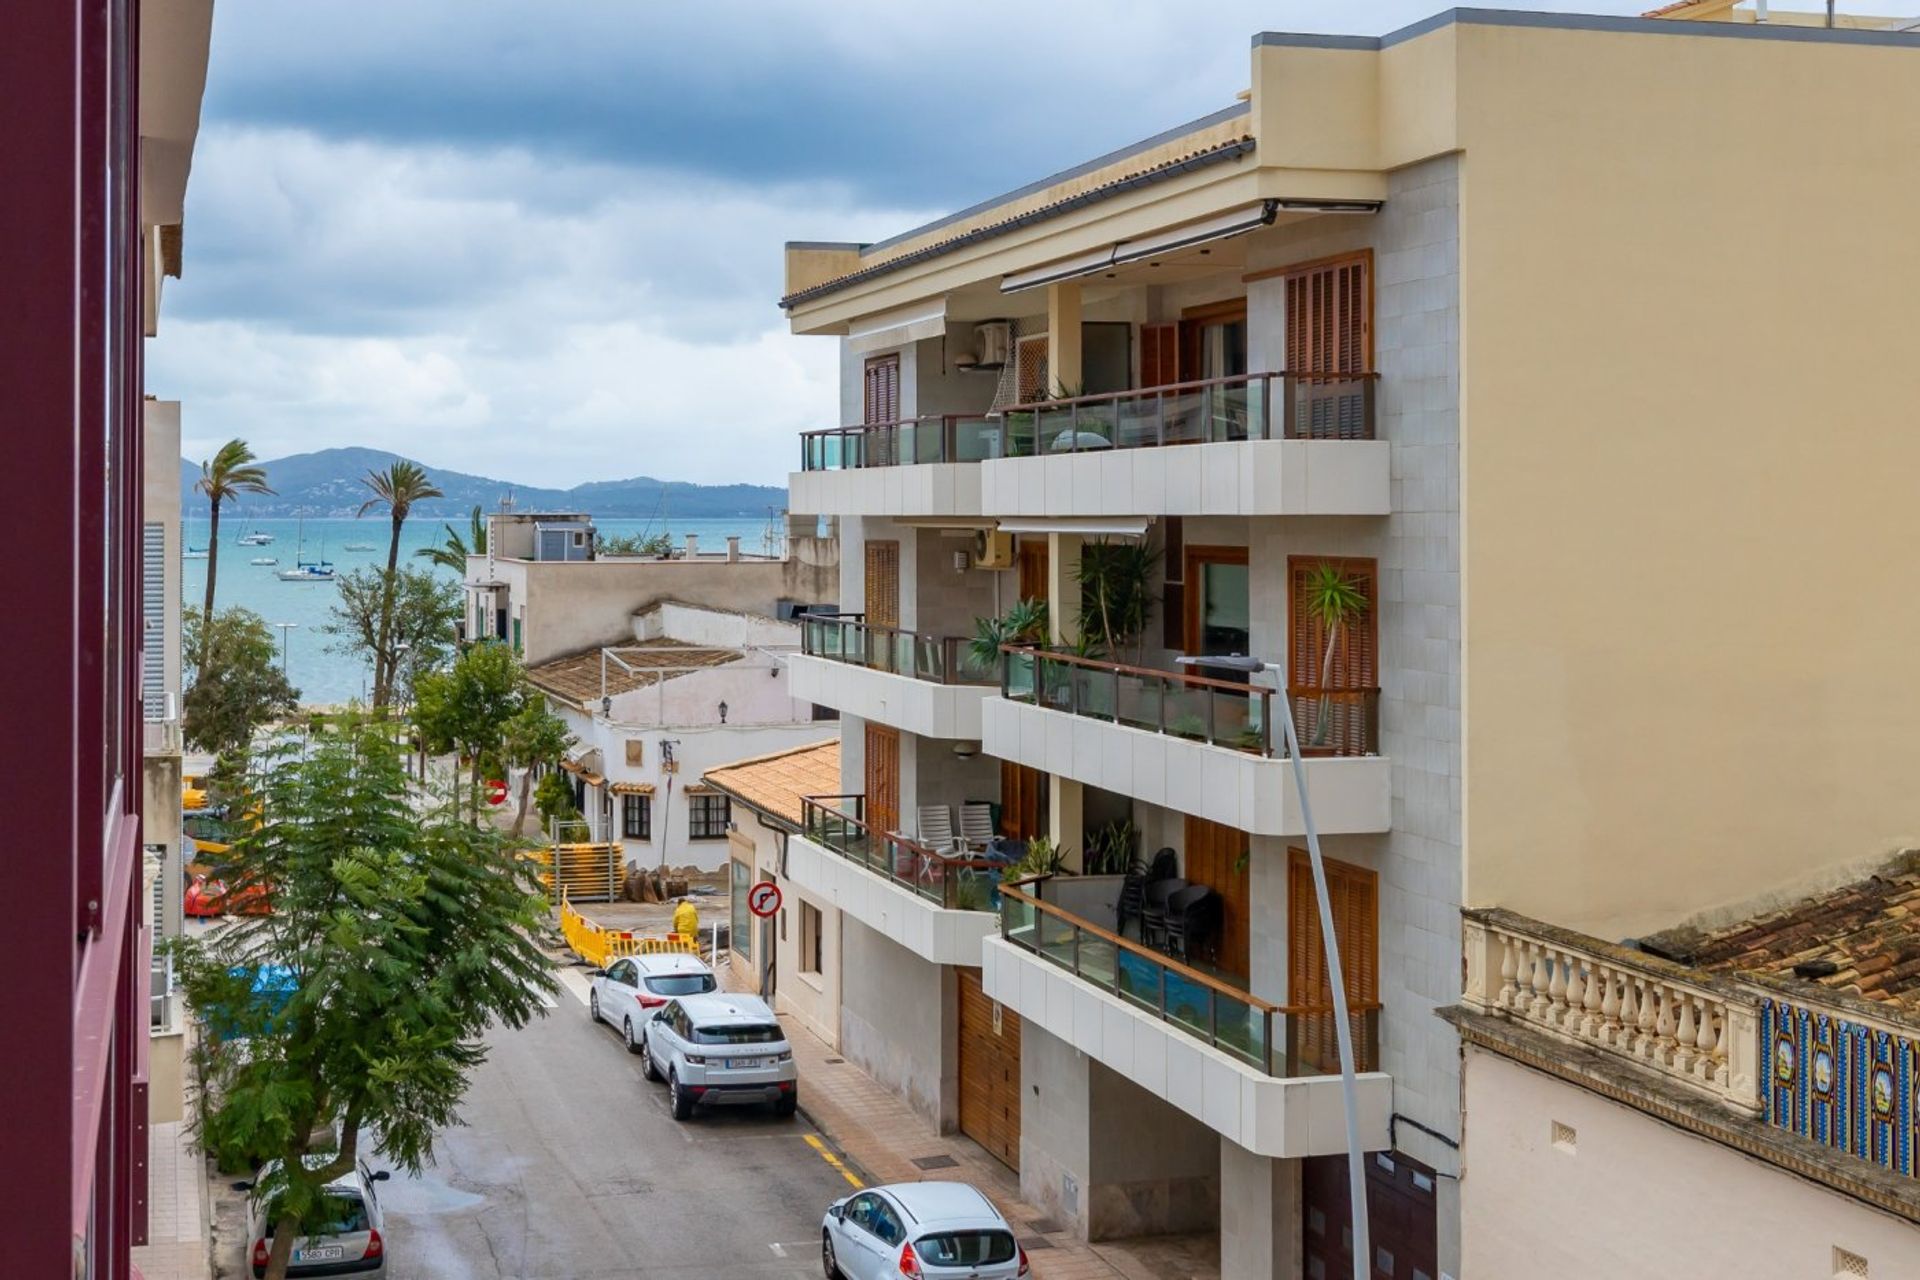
1689, 1026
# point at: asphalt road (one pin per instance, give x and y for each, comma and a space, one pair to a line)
570, 1167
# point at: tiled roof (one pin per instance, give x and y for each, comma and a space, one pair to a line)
576, 679
775, 784
1869, 931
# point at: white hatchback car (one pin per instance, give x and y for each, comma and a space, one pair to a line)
630, 990
351, 1244
720, 1050
921, 1231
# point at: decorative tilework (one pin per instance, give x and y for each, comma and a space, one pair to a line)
1842, 1084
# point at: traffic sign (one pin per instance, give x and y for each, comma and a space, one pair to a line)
763, 899
496, 791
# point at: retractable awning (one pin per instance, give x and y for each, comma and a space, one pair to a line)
1095, 526
898, 328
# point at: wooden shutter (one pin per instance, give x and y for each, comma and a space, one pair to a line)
1033, 566
1356, 652
883, 584
1217, 857
1173, 592
883, 389
1330, 315
1354, 893
1023, 801
153, 617
1159, 354
883, 778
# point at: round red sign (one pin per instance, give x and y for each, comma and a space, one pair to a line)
496, 791
763, 899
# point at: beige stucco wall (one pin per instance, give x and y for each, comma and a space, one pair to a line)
1687, 291
1636, 1197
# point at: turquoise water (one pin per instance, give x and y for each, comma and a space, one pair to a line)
321, 676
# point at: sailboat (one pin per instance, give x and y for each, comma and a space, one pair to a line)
305, 570
255, 538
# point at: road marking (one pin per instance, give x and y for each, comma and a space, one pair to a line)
833, 1160
574, 982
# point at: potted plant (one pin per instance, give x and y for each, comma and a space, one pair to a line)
1335, 600
1025, 623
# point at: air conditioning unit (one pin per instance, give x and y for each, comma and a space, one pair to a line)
995, 342
992, 549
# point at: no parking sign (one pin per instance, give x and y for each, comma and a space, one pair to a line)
763, 899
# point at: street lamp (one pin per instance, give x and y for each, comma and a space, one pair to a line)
285, 627
1342, 1030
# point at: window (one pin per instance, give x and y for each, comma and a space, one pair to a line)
516, 635
636, 817
739, 919
1217, 600
740, 1033
622, 973
708, 815
682, 984
967, 1248
810, 928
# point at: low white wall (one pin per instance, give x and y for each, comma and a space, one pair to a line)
721, 628
896, 1021
1636, 1197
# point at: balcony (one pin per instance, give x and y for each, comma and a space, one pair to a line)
918, 466
1263, 1074
936, 904
1202, 746
1264, 444
919, 683
160, 727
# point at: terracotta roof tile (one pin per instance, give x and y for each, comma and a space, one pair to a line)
775, 784
576, 679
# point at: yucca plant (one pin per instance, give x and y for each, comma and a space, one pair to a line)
1336, 601
1025, 623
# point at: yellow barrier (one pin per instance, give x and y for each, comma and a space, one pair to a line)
597, 944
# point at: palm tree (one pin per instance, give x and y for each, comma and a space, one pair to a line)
228, 474
1334, 600
452, 554
397, 488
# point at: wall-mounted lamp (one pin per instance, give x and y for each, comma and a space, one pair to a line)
723, 713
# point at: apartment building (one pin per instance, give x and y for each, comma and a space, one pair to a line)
106, 100
1466, 378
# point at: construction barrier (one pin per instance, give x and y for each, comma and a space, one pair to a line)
598, 945
592, 872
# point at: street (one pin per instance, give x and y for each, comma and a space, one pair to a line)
570, 1167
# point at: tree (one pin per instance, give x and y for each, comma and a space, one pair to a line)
397, 488
465, 709
235, 684
1116, 594
1335, 600
228, 474
404, 623
554, 799
396, 939
656, 546
535, 737
452, 553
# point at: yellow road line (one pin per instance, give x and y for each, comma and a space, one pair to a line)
833, 1160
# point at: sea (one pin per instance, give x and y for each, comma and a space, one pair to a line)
298, 610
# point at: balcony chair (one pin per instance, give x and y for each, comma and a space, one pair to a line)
1133, 890
1193, 921
976, 825
1153, 915
936, 828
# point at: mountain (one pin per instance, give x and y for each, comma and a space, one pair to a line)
328, 483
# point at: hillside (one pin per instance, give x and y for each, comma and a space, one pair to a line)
328, 483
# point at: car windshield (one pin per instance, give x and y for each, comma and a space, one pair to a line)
966, 1248
682, 984
345, 1214
739, 1033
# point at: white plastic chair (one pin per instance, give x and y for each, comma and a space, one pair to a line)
976, 824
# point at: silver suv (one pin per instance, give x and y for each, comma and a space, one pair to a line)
720, 1050
352, 1243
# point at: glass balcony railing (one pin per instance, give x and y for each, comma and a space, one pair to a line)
954, 881
1279, 1040
1254, 406
849, 638
934, 438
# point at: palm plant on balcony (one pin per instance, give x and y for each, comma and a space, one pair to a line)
1116, 594
1335, 601
1025, 623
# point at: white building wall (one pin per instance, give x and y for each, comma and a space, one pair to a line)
1632, 1196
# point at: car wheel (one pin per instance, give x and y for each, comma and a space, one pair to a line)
829, 1263
626, 1033
647, 1068
787, 1103
682, 1100
593, 1005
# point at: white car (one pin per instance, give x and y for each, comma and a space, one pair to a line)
920, 1231
353, 1243
720, 1050
630, 990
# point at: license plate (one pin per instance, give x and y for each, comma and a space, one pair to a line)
321, 1253
742, 1064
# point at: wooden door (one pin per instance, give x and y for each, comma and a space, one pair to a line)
1332, 712
989, 1071
882, 397
883, 779
883, 584
1330, 315
1023, 801
1355, 895
1401, 1218
1217, 858
1159, 354
1032, 564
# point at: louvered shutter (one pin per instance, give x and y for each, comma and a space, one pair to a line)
883, 778
153, 616
1159, 354
1353, 893
883, 584
883, 389
1330, 317
1344, 699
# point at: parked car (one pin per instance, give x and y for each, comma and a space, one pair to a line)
920, 1230
353, 1242
629, 991
720, 1050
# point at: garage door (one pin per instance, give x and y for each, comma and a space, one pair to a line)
989, 1071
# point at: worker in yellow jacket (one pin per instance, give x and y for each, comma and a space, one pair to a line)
686, 920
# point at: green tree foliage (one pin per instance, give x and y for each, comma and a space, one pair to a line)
553, 797
534, 738
397, 488
224, 477
402, 938
465, 709
235, 684
657, 546
1116, 594
453, 552
407, 631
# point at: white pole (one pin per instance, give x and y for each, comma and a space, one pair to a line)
1342, 1030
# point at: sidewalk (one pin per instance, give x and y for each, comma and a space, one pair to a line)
176, 1214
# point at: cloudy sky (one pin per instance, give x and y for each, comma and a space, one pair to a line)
541, 239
